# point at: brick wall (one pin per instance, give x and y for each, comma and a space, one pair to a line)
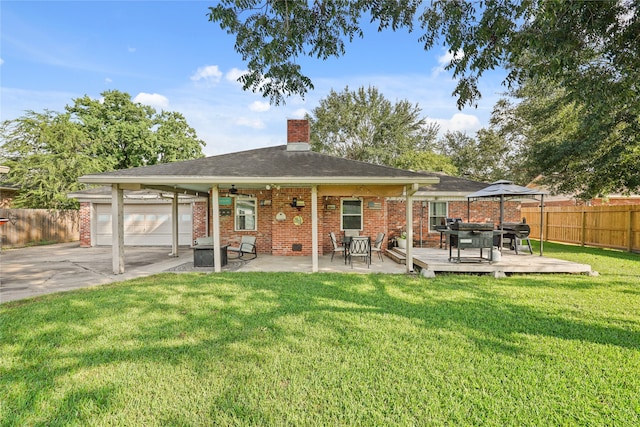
85, 224
481, 211
199, 219
380, 215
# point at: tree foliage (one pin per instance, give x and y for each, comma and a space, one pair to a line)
589, 49
488, 157
47, 152
363, 125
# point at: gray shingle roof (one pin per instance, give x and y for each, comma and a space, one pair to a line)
272, 162
253, 168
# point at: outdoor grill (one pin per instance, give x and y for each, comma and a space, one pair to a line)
470, 236
517, 232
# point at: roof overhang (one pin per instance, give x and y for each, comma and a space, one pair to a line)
198, 185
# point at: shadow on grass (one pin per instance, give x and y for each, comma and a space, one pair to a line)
190, 318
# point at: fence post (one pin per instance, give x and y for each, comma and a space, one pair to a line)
629, 230
583, 226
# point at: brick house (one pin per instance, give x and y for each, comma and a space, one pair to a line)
290, 198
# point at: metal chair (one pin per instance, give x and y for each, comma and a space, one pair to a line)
360, 247
247, 247
336, 247
377, 245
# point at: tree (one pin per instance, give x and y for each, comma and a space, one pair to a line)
363, 125
487, 157
47, 152
426, 161
131, 134
588, 48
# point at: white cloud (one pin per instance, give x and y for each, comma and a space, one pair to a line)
300, 113
107, 80
234, 74
443, 60
152, 99
131, 49
259, 106
459, 122
1, 61
210, 73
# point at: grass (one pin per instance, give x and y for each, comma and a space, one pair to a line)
330, 349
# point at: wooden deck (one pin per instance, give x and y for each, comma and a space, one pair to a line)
437, 260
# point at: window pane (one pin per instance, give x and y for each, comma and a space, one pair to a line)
437, 214
245, 214
352, 223
439, 208
351, 207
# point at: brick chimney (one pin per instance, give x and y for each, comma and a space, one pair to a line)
298, 135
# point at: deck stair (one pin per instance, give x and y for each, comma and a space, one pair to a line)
398, 255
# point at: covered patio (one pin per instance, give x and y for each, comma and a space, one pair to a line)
288, 197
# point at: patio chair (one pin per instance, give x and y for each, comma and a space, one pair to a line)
360, 247
377, 245
351, 233
336, 247
247, 247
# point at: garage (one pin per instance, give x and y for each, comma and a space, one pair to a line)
145, 225
147, 217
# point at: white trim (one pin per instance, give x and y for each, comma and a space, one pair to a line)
342, 200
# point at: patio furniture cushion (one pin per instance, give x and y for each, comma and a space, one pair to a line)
247, 247
360, 247
377, 245
334, 243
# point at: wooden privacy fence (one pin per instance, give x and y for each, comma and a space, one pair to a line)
28, 226
616, 227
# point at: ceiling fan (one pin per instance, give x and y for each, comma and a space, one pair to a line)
233, 192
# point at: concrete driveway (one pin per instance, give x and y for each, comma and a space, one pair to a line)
28, 272
38, 270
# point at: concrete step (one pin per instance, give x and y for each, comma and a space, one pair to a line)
397, 256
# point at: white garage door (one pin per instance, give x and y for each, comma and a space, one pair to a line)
145, 225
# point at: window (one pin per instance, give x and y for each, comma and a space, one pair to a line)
437, 214
351, 218
245, 218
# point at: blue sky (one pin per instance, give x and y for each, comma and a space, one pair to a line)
166, 54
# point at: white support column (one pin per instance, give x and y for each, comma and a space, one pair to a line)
409, 214
174, 225
314, 229
117, 229
215, 212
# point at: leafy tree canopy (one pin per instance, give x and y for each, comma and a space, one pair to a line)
487, 157
47, 152
589, 49
363, 125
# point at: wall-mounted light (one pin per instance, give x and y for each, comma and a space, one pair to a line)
295, 203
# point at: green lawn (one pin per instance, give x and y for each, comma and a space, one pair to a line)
331, 349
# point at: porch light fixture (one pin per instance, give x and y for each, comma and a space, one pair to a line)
295, 203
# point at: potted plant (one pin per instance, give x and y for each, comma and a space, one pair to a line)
402, 240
